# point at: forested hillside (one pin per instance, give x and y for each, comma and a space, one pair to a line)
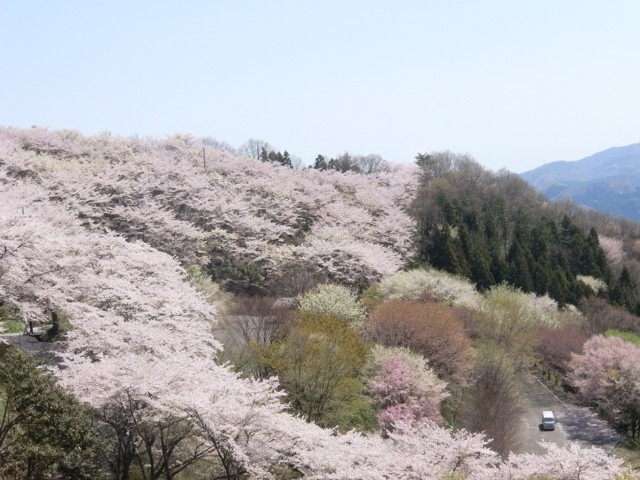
494, 228
416, 299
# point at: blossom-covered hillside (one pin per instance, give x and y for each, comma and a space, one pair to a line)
206, 206
100, 230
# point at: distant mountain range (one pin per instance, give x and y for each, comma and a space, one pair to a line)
608, 181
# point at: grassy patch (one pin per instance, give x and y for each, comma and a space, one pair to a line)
11, 326
626, 336
9, 321
629, 452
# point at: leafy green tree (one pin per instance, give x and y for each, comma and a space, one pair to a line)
624, 292
44, 431
319, 363
286, 159
540, 252
559, 287
507, 321
493, 228
518, 273
450, 208
445, 253
480, 263
320, 163
601, 265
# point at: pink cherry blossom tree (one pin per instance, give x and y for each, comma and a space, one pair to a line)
403, 387
571, 462
613, 249
609, 371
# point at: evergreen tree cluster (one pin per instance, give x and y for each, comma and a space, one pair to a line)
346, 162
276, 157
343, 163
494, 228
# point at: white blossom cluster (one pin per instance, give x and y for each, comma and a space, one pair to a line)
334, 300
440, 285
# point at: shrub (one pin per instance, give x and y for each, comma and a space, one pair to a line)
431, 329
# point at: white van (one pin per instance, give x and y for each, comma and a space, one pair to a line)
548, 420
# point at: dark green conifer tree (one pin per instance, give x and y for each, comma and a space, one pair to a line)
519, 273
445, 253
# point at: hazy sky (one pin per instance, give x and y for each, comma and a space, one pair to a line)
513, 83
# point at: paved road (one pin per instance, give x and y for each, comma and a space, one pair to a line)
574, 424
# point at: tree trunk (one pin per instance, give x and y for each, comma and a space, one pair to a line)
55, 324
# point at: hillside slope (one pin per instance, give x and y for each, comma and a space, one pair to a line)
139, 327
245, 219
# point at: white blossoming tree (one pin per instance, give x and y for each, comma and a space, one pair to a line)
334, 301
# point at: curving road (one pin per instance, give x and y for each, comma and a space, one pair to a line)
573, 423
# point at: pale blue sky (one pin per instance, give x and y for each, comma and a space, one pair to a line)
514, 83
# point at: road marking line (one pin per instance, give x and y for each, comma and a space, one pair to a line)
551, 392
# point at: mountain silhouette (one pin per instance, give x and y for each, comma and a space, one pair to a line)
608, 181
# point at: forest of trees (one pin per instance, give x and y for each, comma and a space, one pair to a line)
417, 300
494, 228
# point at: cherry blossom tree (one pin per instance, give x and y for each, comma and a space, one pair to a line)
609, 371
613, 249
571, 462
354, 228
403, 387
456, 453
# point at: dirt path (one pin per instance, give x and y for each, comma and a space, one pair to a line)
574, 423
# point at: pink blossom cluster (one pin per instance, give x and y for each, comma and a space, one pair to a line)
613, 249
609, 371
403, 386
